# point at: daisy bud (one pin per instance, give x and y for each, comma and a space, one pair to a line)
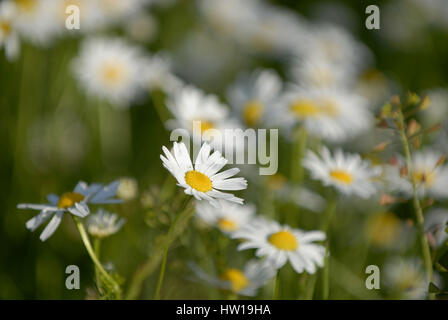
381, 147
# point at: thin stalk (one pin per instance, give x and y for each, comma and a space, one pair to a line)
167, 246
331, 208
277, 286
97, 263
97, 249
426, 252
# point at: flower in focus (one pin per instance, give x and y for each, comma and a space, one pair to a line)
228, 218
8, 34
252, 96
203, 180
75, 202
348, 173
127, 189
280, 244
244, 282
110, 69
103, 224
333, 114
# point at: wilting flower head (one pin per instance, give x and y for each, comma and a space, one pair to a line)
228, 218
203, 180
280, 244
244, 282
110, 69
346, 172
8, 33
75, 202
103, 224
253, 96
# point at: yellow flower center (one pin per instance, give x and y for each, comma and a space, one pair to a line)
69, 199
112, 73
252, 112
198, 181
426, 178
227, 225
284, 240
305, 108
276, 181
236, 278
206, 125
26, 5
5, 27
342, 176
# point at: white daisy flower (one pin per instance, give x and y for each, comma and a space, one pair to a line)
253, 95
190, 104
75, 202
280, 244
228, 218
245, 282
8, 33
347, 172
110, 69
103, 224
335, 115
127, 189
35, 20
203, 180
430, 177
406, 278
158, 75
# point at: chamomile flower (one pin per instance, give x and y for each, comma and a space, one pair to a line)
75, 202
430, 177
254, 94
127, 189
228, 218
335, 115
203, 180
35, 20
158, 75
347, 172
103, 224
280, 244
245, 282
9, 38
406, 278
190, 105
110, 69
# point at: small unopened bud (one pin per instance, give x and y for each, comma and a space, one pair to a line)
426, 102
413, 98
380, 147
393, 161
387, 200
441, 161
413, 127
404, 172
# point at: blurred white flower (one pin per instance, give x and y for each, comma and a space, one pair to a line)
36, 20
158, 75
75, 202
127, 189
104, 224
430, 176
280, 244
253, 95
436, 223
110, 69
406, 278
143, 27
347, 172
9, 38
333, 114
244, 282
203, 180
228, 218
190, 104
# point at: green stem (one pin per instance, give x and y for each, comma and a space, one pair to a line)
426, 252
97, 248
277, 286
297, 171
167, 246
331, 208
87, 244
